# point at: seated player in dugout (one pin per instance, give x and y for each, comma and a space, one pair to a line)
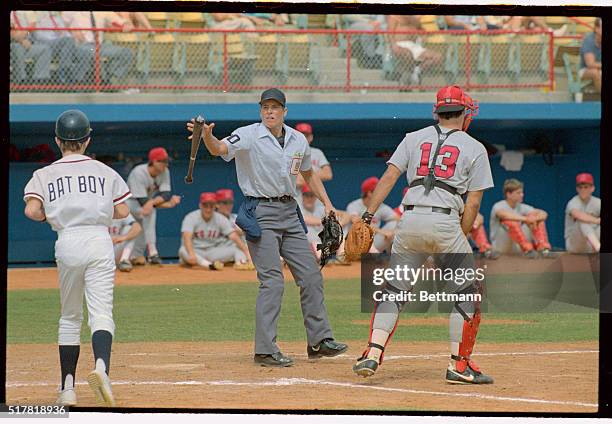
203, 238
225, 205
384, 214
517, 227
151, 189
582, 218
123, 233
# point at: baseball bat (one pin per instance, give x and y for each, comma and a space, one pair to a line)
195, 145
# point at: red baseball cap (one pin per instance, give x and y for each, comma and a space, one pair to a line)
158, 154
369, 184
306, 189
304, 128
208, 197
584, 178
224, 194
450, 99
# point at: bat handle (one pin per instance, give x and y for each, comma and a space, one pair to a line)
188, 180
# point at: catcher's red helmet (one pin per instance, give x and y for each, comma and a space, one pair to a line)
452, 98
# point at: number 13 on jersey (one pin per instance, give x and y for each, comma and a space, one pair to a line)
446, 169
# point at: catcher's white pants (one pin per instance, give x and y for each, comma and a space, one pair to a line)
577, 242
86, 265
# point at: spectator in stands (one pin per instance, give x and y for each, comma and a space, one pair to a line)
262, 20
138, 19
516, 23
413, 58
119, 58
590, 57
231, 21
366, 48
583, 218
467, 22
516, 226
22, 50
203, 236
60, 43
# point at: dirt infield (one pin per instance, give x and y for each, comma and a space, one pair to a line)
529, 377
544, 377
44, 278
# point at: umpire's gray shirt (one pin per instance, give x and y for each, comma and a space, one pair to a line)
263, 167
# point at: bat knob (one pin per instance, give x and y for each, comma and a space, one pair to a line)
188, 180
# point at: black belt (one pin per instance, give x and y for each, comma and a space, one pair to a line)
283, 199
437, 183
446, 211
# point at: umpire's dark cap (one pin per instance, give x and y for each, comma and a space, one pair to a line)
273, 94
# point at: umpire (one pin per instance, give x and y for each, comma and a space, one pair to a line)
269, 155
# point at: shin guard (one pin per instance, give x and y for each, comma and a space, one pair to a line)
516, 234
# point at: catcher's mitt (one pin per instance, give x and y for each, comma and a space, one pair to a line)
331, 237
358, 241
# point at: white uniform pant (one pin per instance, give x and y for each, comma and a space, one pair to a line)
120, 247
577, 241
148, 235
218, 253
86, 265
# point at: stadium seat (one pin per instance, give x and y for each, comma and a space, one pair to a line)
190, 20
158, 19
241, 64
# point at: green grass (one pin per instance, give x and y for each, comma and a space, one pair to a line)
226, 312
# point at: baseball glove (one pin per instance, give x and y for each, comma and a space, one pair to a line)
358, 241
331, 237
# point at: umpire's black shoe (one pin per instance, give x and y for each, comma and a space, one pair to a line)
326, 347
273, 360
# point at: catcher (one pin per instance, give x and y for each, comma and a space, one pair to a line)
435, 221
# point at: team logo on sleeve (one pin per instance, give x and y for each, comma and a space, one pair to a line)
296, 163
233, 139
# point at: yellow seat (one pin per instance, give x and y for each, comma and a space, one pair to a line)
555, 21
190, 20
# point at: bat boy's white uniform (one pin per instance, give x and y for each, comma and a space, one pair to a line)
78, 195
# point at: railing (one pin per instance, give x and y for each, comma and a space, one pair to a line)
189, 59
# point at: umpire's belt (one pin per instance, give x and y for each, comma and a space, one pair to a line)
437, 183
437, 209
283, 199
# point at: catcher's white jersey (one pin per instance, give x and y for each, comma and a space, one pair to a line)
206, 234
461, 163
77, 191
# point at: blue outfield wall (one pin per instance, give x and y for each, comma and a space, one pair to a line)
574, 128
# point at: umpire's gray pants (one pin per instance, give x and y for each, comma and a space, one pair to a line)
283, 235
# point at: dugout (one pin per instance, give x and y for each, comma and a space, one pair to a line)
354, 137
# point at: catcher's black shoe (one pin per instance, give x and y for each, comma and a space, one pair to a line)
326, 347
273, 360
365, 367
469, 375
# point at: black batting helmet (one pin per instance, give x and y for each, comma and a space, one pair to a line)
72, 125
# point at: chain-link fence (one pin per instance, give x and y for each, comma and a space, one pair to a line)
310, 60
